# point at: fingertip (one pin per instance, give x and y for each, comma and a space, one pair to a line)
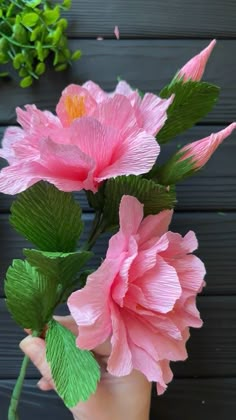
44, 385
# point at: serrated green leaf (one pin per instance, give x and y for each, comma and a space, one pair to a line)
26, 82
62, 266
193, 100
155, 197
47, 217
75, 372
30, 296
30, 19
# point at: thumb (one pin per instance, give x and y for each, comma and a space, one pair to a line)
34, 348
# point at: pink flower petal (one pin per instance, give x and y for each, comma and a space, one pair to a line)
195, 68
191, 272
146, 364
146, 258
200, 151
12, 135
117, 32
131, 215
75, 102
151, 112
85, 305
154, 226
160, 286
123, 88
95, 91
120, 360
167, 376
138, 154
121, 282
117, 113
18, 177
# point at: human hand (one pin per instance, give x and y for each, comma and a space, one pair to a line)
116, 398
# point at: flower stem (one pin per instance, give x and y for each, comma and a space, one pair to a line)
15, 398
12, 412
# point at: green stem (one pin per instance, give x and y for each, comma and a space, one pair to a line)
12, 412
97, 229
22, 45
15, 398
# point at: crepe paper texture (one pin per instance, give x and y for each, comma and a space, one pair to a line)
141, 299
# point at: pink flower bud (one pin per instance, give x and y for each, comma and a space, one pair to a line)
195, 67
200, 151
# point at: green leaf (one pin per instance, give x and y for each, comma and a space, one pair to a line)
30, 19
40, 69
75, 372
63, 23
39, 49
19, 33
62, 266
26, 82
51, 16
30, 296
66, 4
49, 218
4, 74
155, 197
18, 61
61, 67
33, 3
76, 55
193, 100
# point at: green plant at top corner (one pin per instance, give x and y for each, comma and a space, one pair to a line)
31, 30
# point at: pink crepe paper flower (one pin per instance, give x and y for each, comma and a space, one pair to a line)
195, 67
142, 297
95, 136
150, 111
200, 151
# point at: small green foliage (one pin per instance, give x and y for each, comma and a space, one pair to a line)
75, 372
29, 32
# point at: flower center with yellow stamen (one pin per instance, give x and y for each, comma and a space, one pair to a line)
75, 107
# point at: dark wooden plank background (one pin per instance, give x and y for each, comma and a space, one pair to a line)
157, 38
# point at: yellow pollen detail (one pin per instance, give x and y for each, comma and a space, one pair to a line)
75, 107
